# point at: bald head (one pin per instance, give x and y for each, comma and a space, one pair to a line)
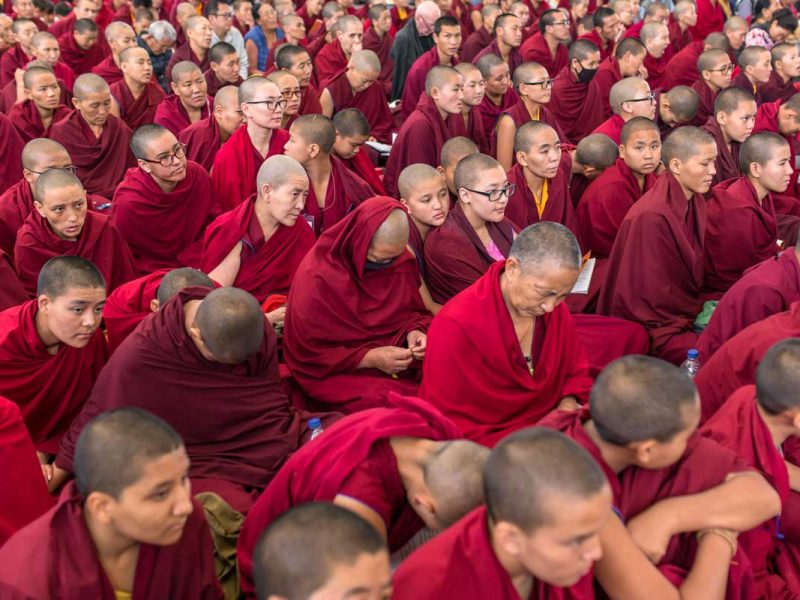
316, 129
710, 58
650, 31
428, 11
414, 176
64, 273
683, 144
546, 245
117, 31
528, 71
531, 134
597, 150
470, 170
365, 61
184, 68
40, 154
41, 38
230, 323
351, 122
778, 378
466, 68
625, 90
179, 279
393, 232
716, 41
227, 97
683, 102
455, 149
440, 76
278, 170
54, 179
760, 148
195, 23
146, 135
454, 477
184, 11
134, 53
637, 125
253, 87
487, 62
35, 70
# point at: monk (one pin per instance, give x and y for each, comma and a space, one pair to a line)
189, 102
44, 47
665, 227
204, 138
223, 68
548, 47
96, 140
80, 48
357, 87
499, 96
423, 133
400, 468
81, 9
175, 365
297, 61
119, 36
412, 42
742, 229
785, 67
629, 98
348, 35
289, 87
107, 536
715, 68
508, 549
482, 36
34, 117
12, 293
782, 117
606, 31
507, 40
471, 123
352, 132
359, 356
20, 54
163, 205
196, 49
571, 87
377, 38
655, 38
237, 162
731, 124
52, 349
755, 64
135, 96
452, 152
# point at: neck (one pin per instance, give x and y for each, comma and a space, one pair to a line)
26, 51
44, 113
197, 50
614, 456
134, 86
522, 580
779, 431
532, 106
442, 113
319, 168
97, 130
639, 178
189, 313
552, 43
711, 86
423, 228
44, 333
782, 76
504, 48
110, 546
443, 58
412, 455
761, 191
260, 136
115, 58
164, 186
269, 224
495, 98
534, 182
378, 32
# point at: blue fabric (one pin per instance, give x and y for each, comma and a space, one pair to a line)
256, 35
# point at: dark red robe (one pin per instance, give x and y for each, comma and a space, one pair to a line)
571, 96
710, 18
28, 122
521, 209
56, 552
185, 52
203, 141
354, 458
214, 84
656, 68
8, 95
514, 58
11, 166
535, 49
381, 46
767, 120
682, 67
490, 112
338, 310
137, 111
172, 114
705, 106
727, 161
14, 58
309, 102
776, 89
606, 48
371, 102
345, 190
362, 166
596, 107
79, 60
329, 60
477, 41
415, 79
521, 115
611, 127
129, 305
49, 388
12, 291
108, 70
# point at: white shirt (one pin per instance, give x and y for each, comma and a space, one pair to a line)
235, 39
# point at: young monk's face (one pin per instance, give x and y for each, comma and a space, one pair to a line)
73, 317
642, 151
85, 40
286, 202
788, 121
448, 40
657, 45
348, 146
301, 68
227, 70
138, 66
543, 155
490, 180
719, 75
383, 23
65, 210
538, 87
738, 125
429, 202
25, 33
368, 578
776, 173
696, 172
537, 292
298, 147
450, 96
474, 87
499, 80
790, 63
94, 107
47, 51
44, 91
86, 9
126, 39
291, 92
762, 69
192, 88
165, 148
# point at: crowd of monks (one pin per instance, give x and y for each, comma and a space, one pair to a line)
323, 300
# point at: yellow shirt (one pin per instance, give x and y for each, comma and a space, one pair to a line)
122, 595
541, 202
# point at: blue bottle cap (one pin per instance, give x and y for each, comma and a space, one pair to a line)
692, 354
314, 423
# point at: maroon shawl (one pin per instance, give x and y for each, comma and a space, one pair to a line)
172, 115
570, 95
79, 60
11, 167
371, 102
137, 111
521, 209
202, 141
345, 190
727, 161
535, 49
26, 118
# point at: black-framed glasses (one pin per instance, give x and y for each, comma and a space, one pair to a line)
545, 83
271, 104
178, 152
71, 168
651, 97
291, 94
564, 22
496, 195
723, 69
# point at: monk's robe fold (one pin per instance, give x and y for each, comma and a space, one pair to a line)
596, 107
185, 52
12, 59
235, 420
99, 242
79, 60
49, 388
739, 427
656, 68
28, 122
681, 69
108, 70
330, 59
414, 86
705, 105
569, 95
777, 89
734, 364
55, 552
338, 310
742, 82
472, 128
767, 120
267, 267
12, 292
164, 229
172, 114
460, 563
63, 26
765, 289
605, 48
309, 102
11, 165
345, 190
535, 49
214, 84
727, 161
476, 374
522, 209
236, 166
521, 115
137, 111
362, 166
382, 46
490, 112
514, 57
371, 102
740, 232
611, 127
128, 305
352, 454
655, 271
202, 141
477, 41
102, 161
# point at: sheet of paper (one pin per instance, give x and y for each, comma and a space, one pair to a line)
382, 148
585, 278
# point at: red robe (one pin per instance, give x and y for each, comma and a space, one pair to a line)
521, 115
65, 25
172, 114
28, 122
362, 166
329, 60
12, 292
56, 552
236, 165
611, 127
345, 190
705, 106
164, 229
477, 41
490, 112
596, 107
571, 95
11, 167
535, 49
682, 67
678, 38
108, 70
235, 420
767, 120
514, 57
137, 111
710, 18
185, 52
371, 102
727, 161
267, 267
765, 289
656, 67
381, 46
338, 310
309, 102
355, 458
49, 389
99, 242
475, 373
129, 305
14, 58
606, 48
776, 89
415, 79
521, 209
79, 60
214, 84
203, 141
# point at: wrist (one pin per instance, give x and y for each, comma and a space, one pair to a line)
726, 534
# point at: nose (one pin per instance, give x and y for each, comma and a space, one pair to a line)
183, 505
549, 305
594, 550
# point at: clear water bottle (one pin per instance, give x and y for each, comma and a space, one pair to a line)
315, 425
691, 365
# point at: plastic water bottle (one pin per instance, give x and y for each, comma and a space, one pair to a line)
315, 425
691, 365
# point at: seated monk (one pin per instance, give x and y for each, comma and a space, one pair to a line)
34, 117
204, 138
594, 154
176, 364
423, 133
258, 246
223, 68
136, 96
63, 225
755, 67
320, 549
119, 36
785, 67
471, 122
783, 118
44, 47
379, 38
360, 354
80, 48
348, 35
352, 132
130, 303
333, 189
630, 97
741, 226
163, 205
20, 54
571, 86
290, 90
499, 96
482, 36
533, 86
655, 38
452, 152
52, 349
196, 49
296, 60
294, 32
127, 525
765, 289
507, 40
715, 68
238, 160
96, 140
676, 107
548, 46
189, 102
401, 468
357, 87
604, 30
665, 227
731, 124
10, 170
513, 547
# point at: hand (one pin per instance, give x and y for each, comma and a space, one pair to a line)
417, 343
569, 403
47, 468
277, 316
643, 72
651, 531
58, 479
390, 359
18, 77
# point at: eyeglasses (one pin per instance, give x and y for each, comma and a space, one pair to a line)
496, 195
565, 22
545, 83
168, 160
651, 97
271, 104
291, 94
224, 15
724, 69
72, 169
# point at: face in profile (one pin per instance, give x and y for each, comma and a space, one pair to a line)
368, 578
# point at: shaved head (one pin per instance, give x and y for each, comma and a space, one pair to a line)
414, 175
41, 151
597, 150
40, 38
629, 46
466, 68
251, 88
527, 135
365, 61
351, 122
455, 149
117, 30
277, 170
684, 143
760, 148
546, 244
778, 377
683, 102
710, 58
428, 10
529, 71
185, 67
281, 78
132, 53
634, 126
454, 477
487, 62
729, 99
470, 170
393, 231
227, 96
143, 136
316, 129
751, 55
52, 180
231, 324
624, 90
717, 41
439, 76
179, 279
64, 273
33, 70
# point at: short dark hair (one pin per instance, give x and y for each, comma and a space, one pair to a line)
601, 14
63, 273
778, 377
445, 21
286, 54
212, 7
629, 45
548, 18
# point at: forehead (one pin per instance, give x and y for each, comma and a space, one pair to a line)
162, 143
701, 151
428, 185
286, 80
190, 76
95, 96
588, 512
43, 79
134, 54
643, 135
536, 73
299, 57
450, 29
499, 71
79, 293
745, 106
59, 194
542, 136
494, 175
294, 181
471, 75
50, 159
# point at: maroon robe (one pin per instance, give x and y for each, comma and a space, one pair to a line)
606, 48
727, 161
741, 81
353, 458
79, 60
214, 84
490, 112
236, 166
203, 141
767, 120
137, 111
414, 87
521, 209
521, 115
705, 106
656, 68
11, 167
48, 388
371, 102
12, 292
596, 107
535, 49
65, 25
776, 89
381, 46
682, 67
362, 166
99, 242
611, 127
129, 305
56, 552
172, 114
477, 41
571, 96
164, 229
108, 70
309, 102
710, 18
678, 38
185, 52
28, 122
361, 309
14, 58
514, 57
329, 60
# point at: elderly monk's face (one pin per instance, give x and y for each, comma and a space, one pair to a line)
361, 80
126, 39
429, 202
488, 181
499, 80
299, 148
285, 203
301, 68
642, 151
165, 147
696, 171
44, 91
535, 291
45, 162
776, 173
94, 107
738, 125
474, 87
267, 17
450, 96
138, 66
543, 155
73, 317
351, 38
348, 146
192, 88
227, 70
65, 210
201, 34
368, 578
47, 51
538, 87
719, 75
85, 40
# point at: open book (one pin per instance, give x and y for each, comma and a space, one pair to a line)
584, 278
